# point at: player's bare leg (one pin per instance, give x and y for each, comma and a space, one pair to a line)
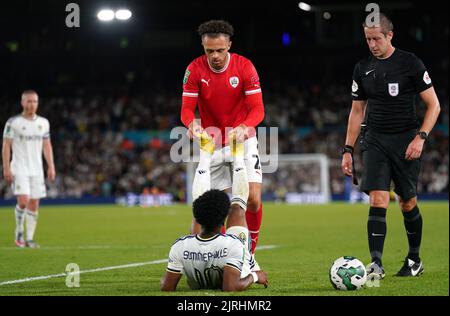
20, 213
202, 177
31, 222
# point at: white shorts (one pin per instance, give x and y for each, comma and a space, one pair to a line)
33, 186
221, 165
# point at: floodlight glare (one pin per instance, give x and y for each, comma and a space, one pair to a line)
123, 14
105, 15
304, 6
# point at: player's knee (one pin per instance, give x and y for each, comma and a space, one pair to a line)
236, 216
407, 205
379, 200
22, 202
253, 203
33, 205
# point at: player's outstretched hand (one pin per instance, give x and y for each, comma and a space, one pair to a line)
262, 278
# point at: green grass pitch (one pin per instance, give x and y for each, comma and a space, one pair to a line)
307, 238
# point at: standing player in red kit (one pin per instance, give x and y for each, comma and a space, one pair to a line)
226, 88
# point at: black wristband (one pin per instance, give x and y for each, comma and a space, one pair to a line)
423, 135
348, 149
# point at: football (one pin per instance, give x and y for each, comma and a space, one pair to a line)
348, 273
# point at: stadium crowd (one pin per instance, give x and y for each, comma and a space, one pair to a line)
94, 156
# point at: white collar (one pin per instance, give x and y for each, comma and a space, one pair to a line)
224, 67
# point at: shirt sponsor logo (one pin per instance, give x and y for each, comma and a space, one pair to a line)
393, 89
234, 82
426, 77
30, 137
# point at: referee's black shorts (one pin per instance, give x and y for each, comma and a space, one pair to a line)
384, 160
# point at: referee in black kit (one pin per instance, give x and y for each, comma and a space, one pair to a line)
384, 90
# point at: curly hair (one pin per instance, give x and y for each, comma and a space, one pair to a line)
215, 28
211, 209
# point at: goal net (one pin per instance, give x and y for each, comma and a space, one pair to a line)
298, 178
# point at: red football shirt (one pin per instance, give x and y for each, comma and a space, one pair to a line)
225, 98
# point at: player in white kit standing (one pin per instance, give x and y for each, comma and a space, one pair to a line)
28, 136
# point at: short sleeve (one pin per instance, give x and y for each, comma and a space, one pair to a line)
419, 74
175, 264
358, 92
251, 79
46, 134
190, 82
8, 132
235, 258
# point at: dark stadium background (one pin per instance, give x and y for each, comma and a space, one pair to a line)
102, 80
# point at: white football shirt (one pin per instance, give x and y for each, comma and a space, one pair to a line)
27, 136
203, 260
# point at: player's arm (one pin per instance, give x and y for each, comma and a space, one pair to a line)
353, 129
232, 281
170, 281
174, 269
6, 157
48, 155
189, 102
254, 101
431, 101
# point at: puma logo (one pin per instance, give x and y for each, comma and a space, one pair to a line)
206, 82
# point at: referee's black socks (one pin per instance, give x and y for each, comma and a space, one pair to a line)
376, 232
413, 225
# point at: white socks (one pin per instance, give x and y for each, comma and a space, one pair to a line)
202, 177
31, 224
20, 219
240, 189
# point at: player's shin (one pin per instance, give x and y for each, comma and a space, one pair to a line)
202, 177
413, 224
236, 222
31, 222
20, 218
254, 220
376, 231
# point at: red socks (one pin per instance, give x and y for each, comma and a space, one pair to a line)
254, 224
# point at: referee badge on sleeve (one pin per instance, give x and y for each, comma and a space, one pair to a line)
354, 86
393, 89
426, 77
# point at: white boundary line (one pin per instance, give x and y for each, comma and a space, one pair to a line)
132, 265
124, 266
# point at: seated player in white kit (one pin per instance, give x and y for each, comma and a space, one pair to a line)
210, 259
